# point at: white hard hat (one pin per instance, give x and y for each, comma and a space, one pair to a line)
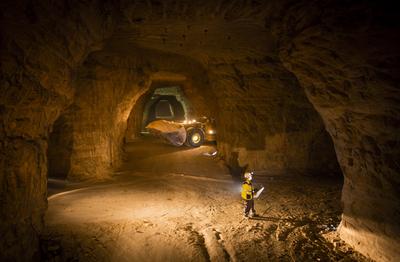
248, 175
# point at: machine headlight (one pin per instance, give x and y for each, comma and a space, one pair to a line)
211, 132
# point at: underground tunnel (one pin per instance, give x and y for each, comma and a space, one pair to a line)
302, 93
167, 103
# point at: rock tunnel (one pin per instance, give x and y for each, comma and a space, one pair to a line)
166, 103
297, 89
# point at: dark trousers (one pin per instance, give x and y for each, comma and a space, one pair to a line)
249, 205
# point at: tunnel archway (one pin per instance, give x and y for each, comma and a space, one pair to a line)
185, 88
167, 103
59, 152
60, 148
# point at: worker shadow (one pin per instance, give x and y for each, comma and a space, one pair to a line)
277, 219
263, 218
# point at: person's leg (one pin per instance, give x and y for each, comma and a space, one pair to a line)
247, 207
253, 211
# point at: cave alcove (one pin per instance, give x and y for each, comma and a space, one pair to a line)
60, 148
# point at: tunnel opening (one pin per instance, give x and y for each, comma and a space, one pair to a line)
166, 103
163, 109
59, 151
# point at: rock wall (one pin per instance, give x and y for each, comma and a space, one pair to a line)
266, 123
106, 90
41, 43
135, 119
346, 57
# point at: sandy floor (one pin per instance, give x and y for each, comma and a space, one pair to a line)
177, 204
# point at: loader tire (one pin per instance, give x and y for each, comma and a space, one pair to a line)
195, 137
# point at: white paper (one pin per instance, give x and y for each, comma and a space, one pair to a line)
259, 192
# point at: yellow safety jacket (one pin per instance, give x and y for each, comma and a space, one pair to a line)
247, 190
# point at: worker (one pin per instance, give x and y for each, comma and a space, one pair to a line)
248, 195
